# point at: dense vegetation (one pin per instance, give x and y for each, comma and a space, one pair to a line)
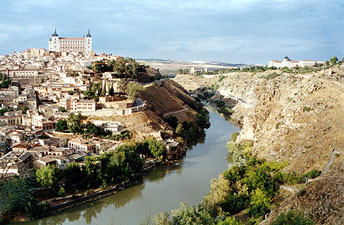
190, 131
124, 68
74, 125
16, 198
292, 218
107, 168
249, 185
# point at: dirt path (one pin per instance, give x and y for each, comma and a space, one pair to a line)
175, 112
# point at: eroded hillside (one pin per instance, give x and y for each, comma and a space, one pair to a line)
162, 98
298, 118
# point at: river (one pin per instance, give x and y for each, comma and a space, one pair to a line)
161, 189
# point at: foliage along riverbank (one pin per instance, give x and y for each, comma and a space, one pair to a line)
24, 199
242, 194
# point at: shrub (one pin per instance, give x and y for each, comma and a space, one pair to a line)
234, 136
272, 76
307, 109
61, 192
312, 174
260, 203
293, 218
235, 203
230, 221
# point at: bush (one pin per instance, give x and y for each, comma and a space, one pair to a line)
272, 76
155, 148
260, 203
230, 221
234, 136
61, 192
235, 203
312, 174
202, 119
293, 218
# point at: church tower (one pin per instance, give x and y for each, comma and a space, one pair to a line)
54, 42
88, 43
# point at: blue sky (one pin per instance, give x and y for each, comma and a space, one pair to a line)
237, 31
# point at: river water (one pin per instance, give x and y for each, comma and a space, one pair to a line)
161, 189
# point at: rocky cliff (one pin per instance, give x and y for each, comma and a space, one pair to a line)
298, 118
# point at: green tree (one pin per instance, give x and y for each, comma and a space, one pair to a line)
49, 176
293, 218
61, 109
230, 221
25, 109
334, 60
14, 196
202, 119
61, 192
187, 215
91, 169
74, 177
179, 130
219, 191
133, 89
327, 63
172, 121
162, 219
111, 90
156, 148
61, 125
3, 111
6, 82
260, 203
74, 123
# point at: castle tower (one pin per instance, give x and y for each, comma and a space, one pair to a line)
88, 43
54, 42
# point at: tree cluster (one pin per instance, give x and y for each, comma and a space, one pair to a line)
190, 132
249, 185
16, 197
108, 168
123, 67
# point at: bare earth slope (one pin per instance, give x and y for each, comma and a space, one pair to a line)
162, 97
295, 118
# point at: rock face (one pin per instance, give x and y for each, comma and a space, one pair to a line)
297, 118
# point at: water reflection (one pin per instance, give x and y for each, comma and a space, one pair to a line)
199, 140
162, 189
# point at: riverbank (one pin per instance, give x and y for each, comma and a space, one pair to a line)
292, 118
163, 188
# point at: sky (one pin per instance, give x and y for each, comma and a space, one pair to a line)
233, 31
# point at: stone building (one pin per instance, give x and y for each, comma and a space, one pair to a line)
62, 44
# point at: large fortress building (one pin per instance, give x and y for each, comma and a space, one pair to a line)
62, 44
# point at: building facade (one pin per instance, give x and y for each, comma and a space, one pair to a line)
62, 44
286, 62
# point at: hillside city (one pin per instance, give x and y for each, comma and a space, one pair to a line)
76, 126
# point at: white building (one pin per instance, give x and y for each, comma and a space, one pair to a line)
61, 44
286, 62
